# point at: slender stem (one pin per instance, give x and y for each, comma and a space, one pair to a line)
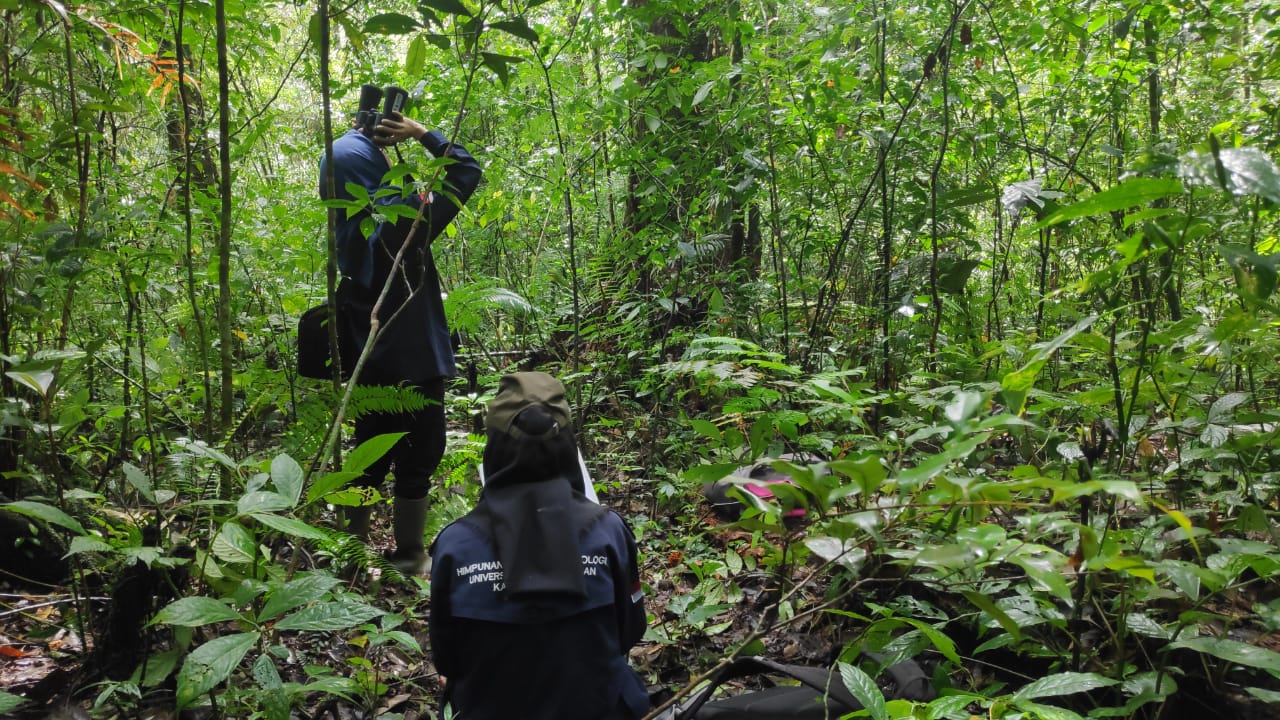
188, 152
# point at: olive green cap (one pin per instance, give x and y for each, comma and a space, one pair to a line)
518, 391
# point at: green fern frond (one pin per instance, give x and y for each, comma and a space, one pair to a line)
349, 550
384, 566
384, 399
466, 304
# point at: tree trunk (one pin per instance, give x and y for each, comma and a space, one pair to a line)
1168, 282
224, 222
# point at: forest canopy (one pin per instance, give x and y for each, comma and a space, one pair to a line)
991, 284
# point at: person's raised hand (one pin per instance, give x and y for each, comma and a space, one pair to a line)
396, 127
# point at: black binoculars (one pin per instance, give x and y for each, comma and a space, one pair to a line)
370, 95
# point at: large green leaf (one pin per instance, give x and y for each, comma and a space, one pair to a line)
194, 612
343, 687
265, 672
295, 593
37, 380
234, 544
391, 24
964, 407
47, 513
500, 64
329, 483
1132, 192
452, 7
1044, 573
1182, 521
287, 475
952, 556
1222, 410
941, 643
1146, 626
314, 25
1232, 651
415, 60
864, 688
140, 482
709, 473
952, 705
966, 197
369, 451
954, 275
1268, 696
846, 552
866, 471
201, 449
518, 27
1121, 488
1141, 688
330, 616
161, 666
1065, 683
262, 501
290, 526
705, 428
1018, 195
702, 92
9, 702
404, 639
210, 664
148, 555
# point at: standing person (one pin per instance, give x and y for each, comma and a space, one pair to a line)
413, 347
535, 594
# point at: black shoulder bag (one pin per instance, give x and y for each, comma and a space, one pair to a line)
314, 357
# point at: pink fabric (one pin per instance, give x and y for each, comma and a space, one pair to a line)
765, 493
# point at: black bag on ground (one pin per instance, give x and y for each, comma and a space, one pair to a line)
314, 357
820, 695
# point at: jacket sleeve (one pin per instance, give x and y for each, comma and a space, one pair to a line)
439, 623
628, 595
461, 178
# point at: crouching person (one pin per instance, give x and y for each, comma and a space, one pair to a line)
535, 594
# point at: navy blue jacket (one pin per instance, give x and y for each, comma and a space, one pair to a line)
414, 347
554, 659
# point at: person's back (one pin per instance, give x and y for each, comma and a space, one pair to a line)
535, 594
389, 265
416, 346
558, 658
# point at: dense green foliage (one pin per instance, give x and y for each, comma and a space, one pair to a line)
1007, 270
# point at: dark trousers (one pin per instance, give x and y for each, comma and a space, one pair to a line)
413, 460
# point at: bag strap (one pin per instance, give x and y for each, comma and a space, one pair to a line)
820, 680
911, 681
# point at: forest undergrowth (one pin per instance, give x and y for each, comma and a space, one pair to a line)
1033, 571
988, 287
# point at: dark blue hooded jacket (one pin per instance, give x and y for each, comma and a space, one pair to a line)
532, 656
414, 346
